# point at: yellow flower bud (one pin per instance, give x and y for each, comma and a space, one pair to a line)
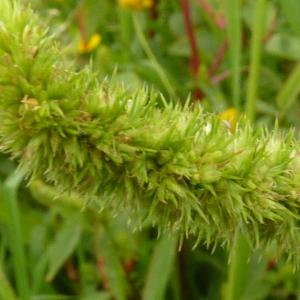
136, 4
86, 47
230, 117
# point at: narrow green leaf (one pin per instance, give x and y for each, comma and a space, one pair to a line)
114, 271
9, 194
233, 15
237, 272
284, 46
126, 29
255, 63
6, 291
288, 93
38, 273
64, 244
147, 49
160, 268
97, 296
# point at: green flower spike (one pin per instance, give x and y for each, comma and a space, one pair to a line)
179, 168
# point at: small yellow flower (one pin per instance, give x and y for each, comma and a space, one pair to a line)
136, 4
86, 47
230, 117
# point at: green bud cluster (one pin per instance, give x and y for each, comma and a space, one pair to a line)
176, 167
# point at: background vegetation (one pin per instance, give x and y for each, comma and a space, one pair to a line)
236, 57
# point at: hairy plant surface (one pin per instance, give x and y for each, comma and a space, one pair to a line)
177, 167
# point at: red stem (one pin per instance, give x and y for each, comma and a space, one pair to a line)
194, 58
154, 11
102, 272
271, 30
218, 78
153, 16
219, 19
218, 58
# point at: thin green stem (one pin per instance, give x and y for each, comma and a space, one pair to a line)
289, 91
47, 195
234, 33
126, 31
237, 271
9, 193
146, 47
162, 259
255, 58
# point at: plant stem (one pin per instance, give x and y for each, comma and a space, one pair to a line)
163, 258
289, 91
80, 17
234, 33
237, 272
126, 31
153, 16
47, 195
219, 20
218, 58
181, 256
256, 46
194, 58
160, 71
9, 193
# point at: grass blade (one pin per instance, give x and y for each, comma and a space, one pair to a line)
160, 268
288, 93
9, 194
6, 291
160, 71
234, 33
64, 244
255, 58
109, 259
237, 272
